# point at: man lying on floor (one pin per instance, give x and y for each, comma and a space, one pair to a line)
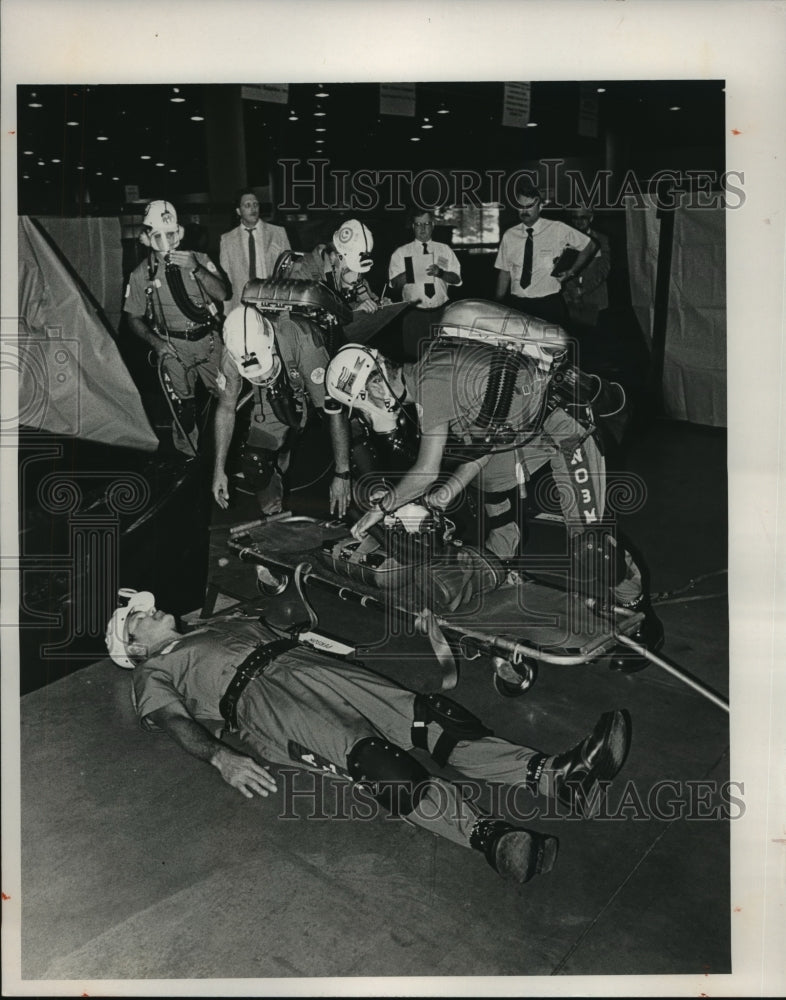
287, 702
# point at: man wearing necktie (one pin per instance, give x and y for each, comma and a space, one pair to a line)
251, 249
421, 271
529, 278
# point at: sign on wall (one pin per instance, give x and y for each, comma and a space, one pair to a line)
516, 104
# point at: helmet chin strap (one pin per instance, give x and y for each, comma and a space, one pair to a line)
396, 401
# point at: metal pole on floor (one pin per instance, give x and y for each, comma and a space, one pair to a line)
702, 689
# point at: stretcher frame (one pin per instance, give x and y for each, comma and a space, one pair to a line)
515, 660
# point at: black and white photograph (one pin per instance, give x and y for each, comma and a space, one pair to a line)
392, 584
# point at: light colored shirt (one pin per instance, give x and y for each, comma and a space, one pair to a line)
549, 239
436, 253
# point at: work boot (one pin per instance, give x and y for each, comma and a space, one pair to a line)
649, 633
515, 854
577, 778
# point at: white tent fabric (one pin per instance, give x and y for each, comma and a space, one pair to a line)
694, 371
93, 249
72, 380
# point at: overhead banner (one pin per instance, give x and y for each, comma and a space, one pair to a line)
274, 93
588, 111
516, 104
397, 99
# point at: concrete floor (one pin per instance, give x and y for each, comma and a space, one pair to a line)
138, 863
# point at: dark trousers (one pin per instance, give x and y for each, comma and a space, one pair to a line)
551, 308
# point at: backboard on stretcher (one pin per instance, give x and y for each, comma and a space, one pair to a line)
519, 625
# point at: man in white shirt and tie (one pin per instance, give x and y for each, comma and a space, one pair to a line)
421, 271
251, 249
530, 278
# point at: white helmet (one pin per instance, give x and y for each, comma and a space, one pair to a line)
353, 242
251, 341
346, 379
160, 219
117, 643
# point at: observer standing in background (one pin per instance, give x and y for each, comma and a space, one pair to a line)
251, 249
530, 259
421, 271
586, 294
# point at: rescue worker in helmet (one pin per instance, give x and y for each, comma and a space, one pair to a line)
281, 359
233, 694
170, 302
494, 396
343, 264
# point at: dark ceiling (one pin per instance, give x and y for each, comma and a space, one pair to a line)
79, 146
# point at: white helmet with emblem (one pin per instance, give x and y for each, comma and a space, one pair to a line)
346, 380
353, 242
160, 227
251, 342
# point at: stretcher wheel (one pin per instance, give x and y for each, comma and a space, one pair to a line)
270, 585
512, 681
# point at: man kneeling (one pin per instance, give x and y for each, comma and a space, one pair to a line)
286, 702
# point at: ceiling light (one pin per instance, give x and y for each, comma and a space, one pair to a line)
72, 123
293, 117
443, 110
197, 118
102, 138
144, 156
55, 161
33, 103
601, 90
40, 163
28, 152
320, 128
532, 124
115, 178
172, 170
160, 164
415, 138
321, 92
676, 107
426, 124
177, 99
25, 177
99, 174
319, 113
319, 141
80, 167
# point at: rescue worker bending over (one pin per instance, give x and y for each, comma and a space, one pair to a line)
494, 395
281, 358
170, 302
286, 703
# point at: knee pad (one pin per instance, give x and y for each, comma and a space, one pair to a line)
395, 778
507, 502
258, 466
457, 723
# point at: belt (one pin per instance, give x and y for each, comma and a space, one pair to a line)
253, 665
198, 333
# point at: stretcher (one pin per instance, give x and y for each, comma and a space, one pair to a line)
520, 625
